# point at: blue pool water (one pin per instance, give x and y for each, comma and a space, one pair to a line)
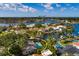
76, 29
58, 45
38, 45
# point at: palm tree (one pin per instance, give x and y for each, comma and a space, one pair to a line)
49, 44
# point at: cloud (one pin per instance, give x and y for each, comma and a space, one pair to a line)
24, 9
63, 9
45, 10
48, 6
32, 9
16, 7
7, 6
58, 5
73, 8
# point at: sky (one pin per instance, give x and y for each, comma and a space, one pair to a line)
39, 9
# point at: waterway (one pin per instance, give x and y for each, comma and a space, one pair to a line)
49, 21
76, 29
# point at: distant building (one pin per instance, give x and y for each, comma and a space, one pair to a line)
59, 28
31, 25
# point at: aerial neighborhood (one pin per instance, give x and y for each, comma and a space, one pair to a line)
46, 37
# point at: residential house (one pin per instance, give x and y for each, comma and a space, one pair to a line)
70, 50
76, 44
59, 28
30, 43
29, 50
46, 52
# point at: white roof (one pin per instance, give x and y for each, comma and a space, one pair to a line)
31, 42
46, 52
30, 25
60, 26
